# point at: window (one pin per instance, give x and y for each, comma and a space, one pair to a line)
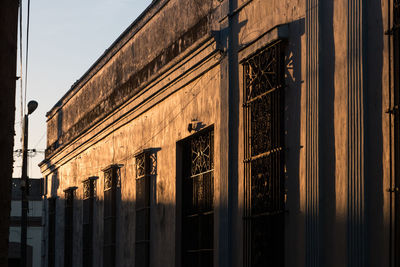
145, 169
68, 227
264, 159
110, 191
52, 232
197, 200
89, 194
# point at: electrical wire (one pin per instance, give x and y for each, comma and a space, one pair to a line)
27, 53
21, 63
193, 91
41, 138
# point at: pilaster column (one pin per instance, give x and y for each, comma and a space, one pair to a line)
355, 139
312, 134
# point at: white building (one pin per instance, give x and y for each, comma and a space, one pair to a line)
34, 232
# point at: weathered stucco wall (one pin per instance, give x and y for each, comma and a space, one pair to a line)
173, 71
144, 55
160, 127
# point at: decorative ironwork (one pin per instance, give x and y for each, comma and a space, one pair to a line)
145, 170
201, 149
197, 204
89, 194
262, 73
108, 179
140, 165
86, 189
111, 176
153, 163
264, 169
89, 188
68, 226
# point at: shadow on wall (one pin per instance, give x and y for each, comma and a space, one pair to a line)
327, 158
332, 230
55, 184
14, 255
293, 80
378, 247
125, 215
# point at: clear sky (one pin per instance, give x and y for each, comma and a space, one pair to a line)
65, 39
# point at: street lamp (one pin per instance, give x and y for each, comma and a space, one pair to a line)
32, 105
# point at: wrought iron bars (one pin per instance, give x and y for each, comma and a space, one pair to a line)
68, 226
197, 200
264, 159
146, 168
110, 190
89, 194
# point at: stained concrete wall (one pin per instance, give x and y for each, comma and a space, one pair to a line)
143, 93
154, 41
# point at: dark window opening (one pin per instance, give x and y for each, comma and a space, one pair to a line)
110, 191
52, 232
264, 159
197, 200
68, 226
145, 170
89, 194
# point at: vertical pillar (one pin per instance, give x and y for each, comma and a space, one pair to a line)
355, 146
312, 134
229, 94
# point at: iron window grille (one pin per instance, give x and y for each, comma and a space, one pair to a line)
111, 175
68, 226
263, 104
145, 170
89, 195
197, 200
51, 232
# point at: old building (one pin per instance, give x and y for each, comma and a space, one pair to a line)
232, 133
34, 224
8, 67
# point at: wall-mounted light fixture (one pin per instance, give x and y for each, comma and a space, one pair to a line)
195, 125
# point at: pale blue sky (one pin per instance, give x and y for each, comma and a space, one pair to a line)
65, 39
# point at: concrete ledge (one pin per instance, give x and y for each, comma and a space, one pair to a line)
279, 32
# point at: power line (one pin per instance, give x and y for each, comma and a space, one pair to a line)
21, 62
41, 138
27, 51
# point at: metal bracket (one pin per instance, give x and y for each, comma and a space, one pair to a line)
392, 110
393, 190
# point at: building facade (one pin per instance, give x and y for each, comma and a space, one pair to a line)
34, 224
8, 68
232, 133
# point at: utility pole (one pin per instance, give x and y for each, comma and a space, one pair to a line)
32, 105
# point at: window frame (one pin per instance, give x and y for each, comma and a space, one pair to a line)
146, 170
111, 176
88, 201
69, 226
272, 97
205, 210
